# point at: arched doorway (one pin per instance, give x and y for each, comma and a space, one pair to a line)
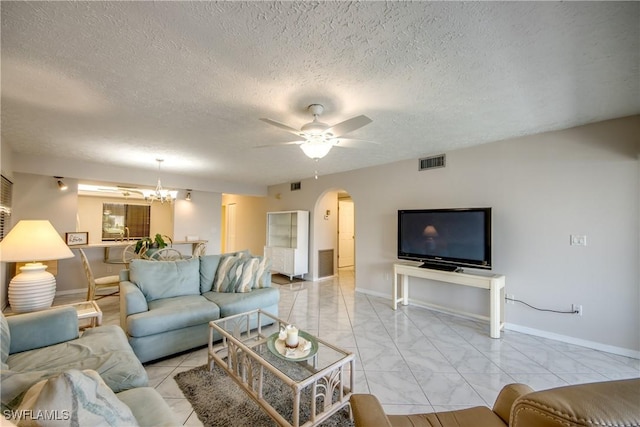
333, 234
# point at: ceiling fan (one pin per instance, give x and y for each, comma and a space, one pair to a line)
320, 137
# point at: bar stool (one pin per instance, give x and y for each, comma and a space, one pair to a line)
128, 254
100, 282
166, 254
199, 250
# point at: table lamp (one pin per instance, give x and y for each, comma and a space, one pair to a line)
30, 240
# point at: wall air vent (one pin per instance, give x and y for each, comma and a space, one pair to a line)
296, 186
432, 162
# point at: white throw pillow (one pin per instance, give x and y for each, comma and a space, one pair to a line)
248, 276
264, 267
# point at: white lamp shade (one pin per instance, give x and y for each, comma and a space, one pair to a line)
33, 240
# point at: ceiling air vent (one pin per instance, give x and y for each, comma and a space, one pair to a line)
432, 162
296, 186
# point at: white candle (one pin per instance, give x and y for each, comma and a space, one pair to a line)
292, 336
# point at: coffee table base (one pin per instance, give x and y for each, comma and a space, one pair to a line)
332, 384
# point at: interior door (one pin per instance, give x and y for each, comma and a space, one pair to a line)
231, 228
346, 233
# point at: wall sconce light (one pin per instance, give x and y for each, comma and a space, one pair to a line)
188, 196
61, 185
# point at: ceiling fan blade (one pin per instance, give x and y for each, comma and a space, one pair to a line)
354, 143
281, 126
348, 126
277, 144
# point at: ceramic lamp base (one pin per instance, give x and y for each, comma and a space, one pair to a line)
33, 289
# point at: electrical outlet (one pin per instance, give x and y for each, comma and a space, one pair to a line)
577, 240
109, 269
577, 309
510, 299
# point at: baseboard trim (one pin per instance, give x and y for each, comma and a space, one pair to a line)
621, 351
373, 293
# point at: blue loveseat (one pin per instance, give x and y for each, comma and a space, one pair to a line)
166, 306
88, 376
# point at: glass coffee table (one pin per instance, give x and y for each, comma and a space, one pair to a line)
319, 378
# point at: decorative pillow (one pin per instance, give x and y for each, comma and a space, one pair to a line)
74, 397
208, 267
226, 275
166, 279
248, 275
5, 341
263, 280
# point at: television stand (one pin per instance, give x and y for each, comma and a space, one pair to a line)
437, 266
494, 283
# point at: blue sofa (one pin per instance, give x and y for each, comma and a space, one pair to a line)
46, 349
166, 306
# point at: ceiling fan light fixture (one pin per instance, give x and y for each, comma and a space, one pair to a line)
320, 137
316, 149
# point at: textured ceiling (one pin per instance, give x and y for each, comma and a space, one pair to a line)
123, 83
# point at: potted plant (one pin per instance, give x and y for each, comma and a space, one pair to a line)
156, 243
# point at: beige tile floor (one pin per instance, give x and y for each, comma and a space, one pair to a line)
413, 359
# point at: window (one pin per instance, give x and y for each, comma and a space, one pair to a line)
117, 218
6, 190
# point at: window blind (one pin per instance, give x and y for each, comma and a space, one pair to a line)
117, 216
138, 219
6, 190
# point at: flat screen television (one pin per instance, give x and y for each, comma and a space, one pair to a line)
446, 239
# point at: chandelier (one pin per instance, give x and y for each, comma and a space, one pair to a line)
160, 193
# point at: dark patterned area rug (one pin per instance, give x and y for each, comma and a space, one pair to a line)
220, 402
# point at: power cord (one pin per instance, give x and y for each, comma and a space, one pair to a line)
542, 309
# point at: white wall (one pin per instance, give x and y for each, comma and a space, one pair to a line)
542, 189
199, 217
38, 197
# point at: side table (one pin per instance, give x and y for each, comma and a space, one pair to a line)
85, 309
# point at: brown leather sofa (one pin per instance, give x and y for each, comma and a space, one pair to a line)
610, 403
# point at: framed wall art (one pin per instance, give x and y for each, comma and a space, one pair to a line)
77, 238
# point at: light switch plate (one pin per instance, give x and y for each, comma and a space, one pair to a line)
578, 240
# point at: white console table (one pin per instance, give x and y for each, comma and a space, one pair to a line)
492, 282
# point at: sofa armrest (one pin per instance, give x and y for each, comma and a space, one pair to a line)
508, 395
367, 411
132, 301
611, 403
42, 328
